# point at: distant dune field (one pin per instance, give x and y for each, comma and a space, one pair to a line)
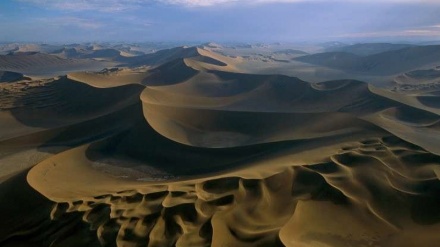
219, 145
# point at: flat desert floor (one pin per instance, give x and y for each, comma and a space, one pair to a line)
219, 145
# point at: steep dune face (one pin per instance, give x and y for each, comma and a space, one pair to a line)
65, 101
202, 57
57, 112
192, 152
224, 109
160, 57
417, 119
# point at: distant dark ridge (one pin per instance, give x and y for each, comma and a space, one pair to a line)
385, 63
9, 76
366, 49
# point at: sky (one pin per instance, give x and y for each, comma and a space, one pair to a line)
72, 21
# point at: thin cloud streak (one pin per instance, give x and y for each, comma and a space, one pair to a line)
95, 5
70, 21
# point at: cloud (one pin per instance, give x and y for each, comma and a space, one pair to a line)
205, 3
123, 5
67, 21
98, 5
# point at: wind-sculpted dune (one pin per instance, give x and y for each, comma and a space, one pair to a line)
193, 152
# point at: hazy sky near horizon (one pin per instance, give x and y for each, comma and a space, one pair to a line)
218, 20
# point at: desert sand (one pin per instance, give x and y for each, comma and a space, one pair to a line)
219, 145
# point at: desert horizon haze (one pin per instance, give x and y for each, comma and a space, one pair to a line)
189, 123
219, 20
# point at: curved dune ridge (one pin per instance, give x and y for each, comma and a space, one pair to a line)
187, 150
418, 77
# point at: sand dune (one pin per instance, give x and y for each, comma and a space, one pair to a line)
160, 57
111, 77
11, 48
108, 53
35, 63
167, 72
185, 147
201, 110
164, 56
54, 112
419, 77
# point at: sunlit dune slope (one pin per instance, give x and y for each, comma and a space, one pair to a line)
168, 55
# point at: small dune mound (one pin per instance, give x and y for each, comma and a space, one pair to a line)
112, 77
69, 52
430, 101
169, 73
418, 77
411, 117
